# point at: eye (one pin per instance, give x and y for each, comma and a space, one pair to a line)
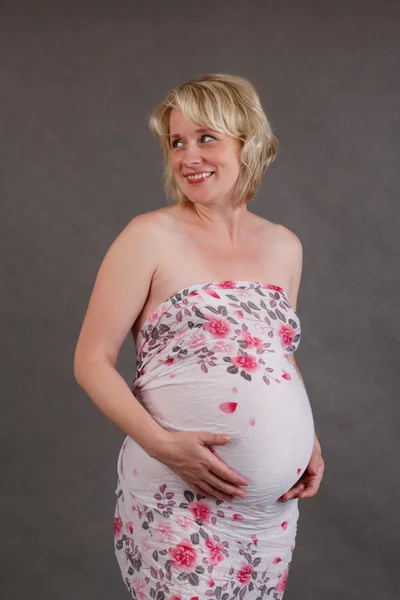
205, 135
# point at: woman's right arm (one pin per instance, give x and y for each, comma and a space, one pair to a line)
119, 294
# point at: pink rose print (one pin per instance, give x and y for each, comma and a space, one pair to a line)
215, 549
197, 340
270, 286
287, 334
217, 326
243, 293
276, 560
260, 328
247, 363
282, 582
252, 421
183, 555
180, 336
228, 407
244, 575
210, 582
251, 341
222, 346
200, 510
169, 361
228, 285
286, 376
184, 522
154, 316
157, 314
299, 471
164, 531
238, 313
117, 526
139, 584
284, 525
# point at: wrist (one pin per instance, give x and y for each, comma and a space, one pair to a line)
155, 442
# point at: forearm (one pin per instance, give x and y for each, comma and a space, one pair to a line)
110, 393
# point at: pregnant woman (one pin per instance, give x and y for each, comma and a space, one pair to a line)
220, 435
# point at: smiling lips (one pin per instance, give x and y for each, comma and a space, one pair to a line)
199, 177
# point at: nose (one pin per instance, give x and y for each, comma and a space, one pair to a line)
191, 155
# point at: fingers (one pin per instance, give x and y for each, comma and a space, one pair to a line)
293, 492
219, 480
221, 470
210, 490
313, 484
197, 488
224, 487
309, 491
307, 486
213, 439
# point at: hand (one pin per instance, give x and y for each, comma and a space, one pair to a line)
188, 455
308, 484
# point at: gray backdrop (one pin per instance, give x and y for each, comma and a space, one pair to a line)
78, 80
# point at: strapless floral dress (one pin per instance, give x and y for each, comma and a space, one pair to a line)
214, 357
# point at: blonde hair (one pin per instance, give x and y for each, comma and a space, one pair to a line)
228, 104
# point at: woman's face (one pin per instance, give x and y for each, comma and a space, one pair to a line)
213, 157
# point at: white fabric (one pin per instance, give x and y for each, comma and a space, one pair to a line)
214, 357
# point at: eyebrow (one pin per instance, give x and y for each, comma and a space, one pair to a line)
199, 130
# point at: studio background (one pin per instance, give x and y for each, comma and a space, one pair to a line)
77, 163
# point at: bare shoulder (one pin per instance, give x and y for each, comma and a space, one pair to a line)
145, 234
279, 234
121, 289
292, 253
289, 240
149, 223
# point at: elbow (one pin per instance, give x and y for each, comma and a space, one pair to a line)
84, 364
78, 370
81, 366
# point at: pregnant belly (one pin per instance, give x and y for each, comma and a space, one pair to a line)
271, 428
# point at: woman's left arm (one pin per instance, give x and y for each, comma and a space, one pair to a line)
308, 484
